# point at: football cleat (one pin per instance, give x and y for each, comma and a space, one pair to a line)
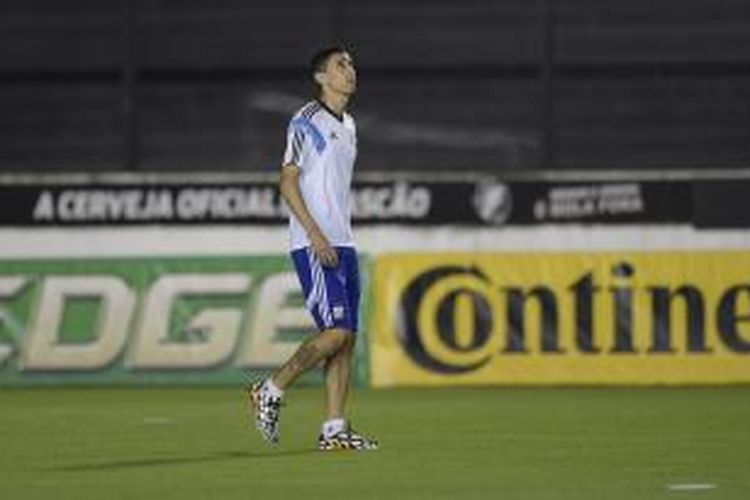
267, 409
348, 439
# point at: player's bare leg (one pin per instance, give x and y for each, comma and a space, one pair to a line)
336, 433
338, 375
266, 397
309, 354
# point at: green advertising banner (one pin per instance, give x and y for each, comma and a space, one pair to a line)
165, 320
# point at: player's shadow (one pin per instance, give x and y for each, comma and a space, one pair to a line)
155, 462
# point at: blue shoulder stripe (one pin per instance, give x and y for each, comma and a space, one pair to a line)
302, 123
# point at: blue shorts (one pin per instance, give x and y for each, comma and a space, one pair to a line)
331, 293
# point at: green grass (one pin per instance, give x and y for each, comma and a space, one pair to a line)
554, 443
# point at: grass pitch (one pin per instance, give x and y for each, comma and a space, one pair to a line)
553, 443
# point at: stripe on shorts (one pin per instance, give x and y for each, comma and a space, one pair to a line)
319, 294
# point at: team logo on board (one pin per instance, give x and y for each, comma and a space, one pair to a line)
493, 202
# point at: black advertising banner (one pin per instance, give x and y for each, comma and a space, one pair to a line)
136, 204
488, 202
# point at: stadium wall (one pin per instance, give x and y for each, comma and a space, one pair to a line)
98, 288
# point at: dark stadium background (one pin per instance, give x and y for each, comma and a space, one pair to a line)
515, 84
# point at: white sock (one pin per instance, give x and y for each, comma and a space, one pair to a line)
269, 386
333, 426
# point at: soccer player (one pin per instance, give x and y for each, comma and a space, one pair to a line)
315, 183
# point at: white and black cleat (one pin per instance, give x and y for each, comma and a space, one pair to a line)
348, 439
267, 410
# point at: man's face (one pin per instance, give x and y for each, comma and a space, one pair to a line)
339, 75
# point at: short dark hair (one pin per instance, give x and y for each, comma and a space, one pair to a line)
320, 58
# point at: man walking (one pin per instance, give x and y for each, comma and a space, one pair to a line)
315, 183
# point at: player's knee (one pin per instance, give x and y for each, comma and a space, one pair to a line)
337, 339
348, 344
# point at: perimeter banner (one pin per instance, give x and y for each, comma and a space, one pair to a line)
561, 318
201, 320
472, 202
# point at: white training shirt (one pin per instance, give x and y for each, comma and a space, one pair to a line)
324, 147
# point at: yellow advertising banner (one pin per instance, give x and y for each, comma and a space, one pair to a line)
561, 318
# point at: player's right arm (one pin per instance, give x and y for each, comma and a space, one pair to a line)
290, 191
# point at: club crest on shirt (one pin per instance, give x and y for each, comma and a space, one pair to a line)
334, 135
